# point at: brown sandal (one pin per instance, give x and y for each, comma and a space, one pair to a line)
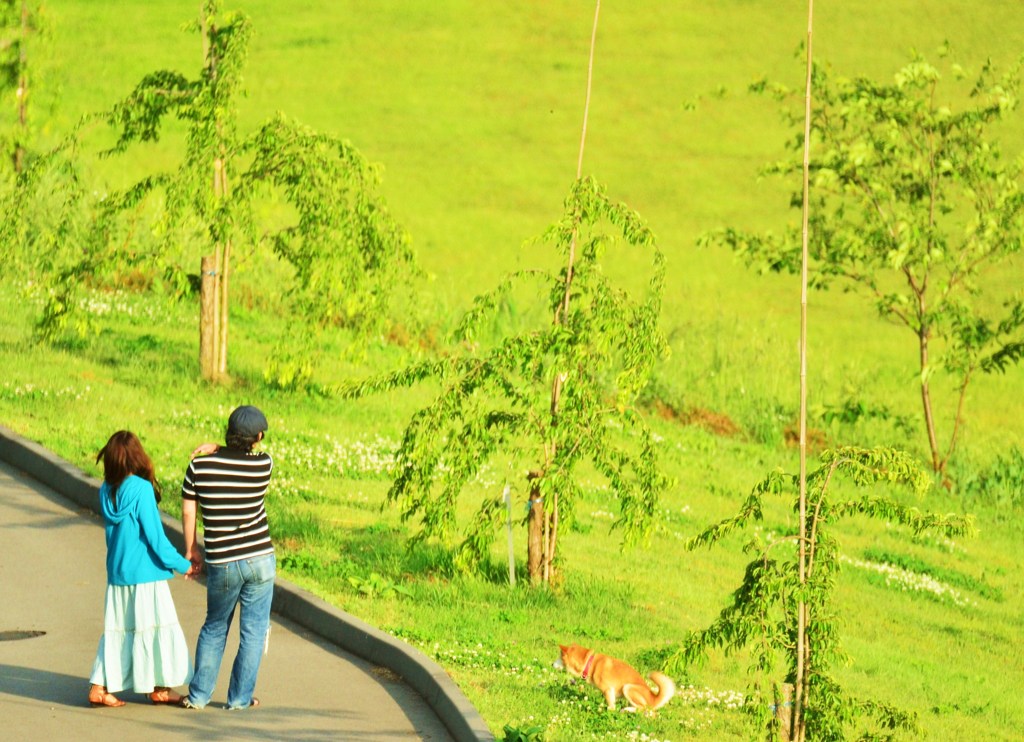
165, 695
98, 696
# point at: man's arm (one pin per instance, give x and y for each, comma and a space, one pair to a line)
188, 527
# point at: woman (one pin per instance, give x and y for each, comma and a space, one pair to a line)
142, 646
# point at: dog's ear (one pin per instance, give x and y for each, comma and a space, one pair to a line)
562, 647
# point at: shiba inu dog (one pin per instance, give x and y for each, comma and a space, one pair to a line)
615, 678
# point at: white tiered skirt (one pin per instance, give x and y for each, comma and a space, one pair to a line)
142, 646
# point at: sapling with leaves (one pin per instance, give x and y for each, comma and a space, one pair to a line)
41, 195
550, 403
347, 251
762, 617
913, 205
21, 25
47, 226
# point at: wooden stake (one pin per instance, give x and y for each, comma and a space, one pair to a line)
511, 551
535, 534
798, 727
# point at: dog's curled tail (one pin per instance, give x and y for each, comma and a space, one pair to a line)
666, 689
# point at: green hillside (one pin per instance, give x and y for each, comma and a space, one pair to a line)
474, 111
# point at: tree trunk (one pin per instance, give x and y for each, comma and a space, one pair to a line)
22, 132
208, 318
784, 712
220, 193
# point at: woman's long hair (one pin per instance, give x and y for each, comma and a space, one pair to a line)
122, 456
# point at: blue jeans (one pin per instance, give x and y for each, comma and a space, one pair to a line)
249, 584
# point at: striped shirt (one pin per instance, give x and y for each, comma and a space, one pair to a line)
229, 486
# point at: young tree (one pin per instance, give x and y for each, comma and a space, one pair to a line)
347, 251
19, 23
913, 205
546, 401
51, 235
550, 399
765, 614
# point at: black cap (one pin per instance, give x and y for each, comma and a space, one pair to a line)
247, 421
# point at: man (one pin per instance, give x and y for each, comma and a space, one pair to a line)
228, 484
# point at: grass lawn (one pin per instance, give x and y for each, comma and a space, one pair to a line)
473, 111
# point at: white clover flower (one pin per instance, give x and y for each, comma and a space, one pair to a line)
909, 581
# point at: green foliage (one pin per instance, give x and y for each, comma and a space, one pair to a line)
378, 586
763, 616
63, 238
515, 734
10, 58
22, 25
498, 400
851, 411
913, 205
1000, 484
348, 253
288, 368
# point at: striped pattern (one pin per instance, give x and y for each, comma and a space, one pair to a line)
230, 486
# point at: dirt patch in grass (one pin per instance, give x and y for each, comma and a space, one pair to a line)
714, 422
816, 439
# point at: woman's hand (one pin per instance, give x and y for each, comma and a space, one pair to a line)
194, 571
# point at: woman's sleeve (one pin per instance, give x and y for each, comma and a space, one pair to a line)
156, 537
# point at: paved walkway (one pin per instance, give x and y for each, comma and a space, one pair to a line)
52, 581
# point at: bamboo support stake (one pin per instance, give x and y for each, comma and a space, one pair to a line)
511, 551
548, 554
222, 192
222, 295
562, 313
798, 726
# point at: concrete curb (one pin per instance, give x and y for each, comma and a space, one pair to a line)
290, 601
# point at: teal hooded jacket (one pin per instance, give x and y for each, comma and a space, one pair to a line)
137, 547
